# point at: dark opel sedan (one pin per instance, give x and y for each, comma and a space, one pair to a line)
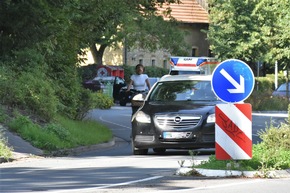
177, 113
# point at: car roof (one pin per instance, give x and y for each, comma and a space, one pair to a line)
167, 78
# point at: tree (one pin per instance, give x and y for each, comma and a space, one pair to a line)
38, 40
104, 23
251, 30
233, 30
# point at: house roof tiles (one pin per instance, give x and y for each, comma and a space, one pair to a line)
188, 11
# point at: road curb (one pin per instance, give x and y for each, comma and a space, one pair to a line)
82, 149
186, 171
17, 155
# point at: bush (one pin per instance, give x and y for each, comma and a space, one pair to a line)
90, 100
273, 153
29, 90
5, 151
264, 101
3, 115
103, 101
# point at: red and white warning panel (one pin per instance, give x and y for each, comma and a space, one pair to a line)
233, 131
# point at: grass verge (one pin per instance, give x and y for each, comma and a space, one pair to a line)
62, 134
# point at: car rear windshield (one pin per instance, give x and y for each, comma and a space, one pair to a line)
191, 90
283, 87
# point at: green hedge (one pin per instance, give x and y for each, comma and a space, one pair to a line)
261, 97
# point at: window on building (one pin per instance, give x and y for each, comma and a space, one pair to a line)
194, 52
165, 64
141, 61
153, 62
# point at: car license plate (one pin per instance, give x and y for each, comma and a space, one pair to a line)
176, 135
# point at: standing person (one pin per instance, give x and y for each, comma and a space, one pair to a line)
139, 81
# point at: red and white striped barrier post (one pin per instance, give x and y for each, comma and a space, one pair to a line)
233, 131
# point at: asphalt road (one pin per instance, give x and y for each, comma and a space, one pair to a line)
115, 169
118, 119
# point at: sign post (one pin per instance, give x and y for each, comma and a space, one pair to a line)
233, 82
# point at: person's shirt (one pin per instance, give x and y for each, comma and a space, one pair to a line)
139, 81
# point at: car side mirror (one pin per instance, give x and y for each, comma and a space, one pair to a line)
139, 97
138, 100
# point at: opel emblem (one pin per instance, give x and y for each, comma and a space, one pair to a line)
177, 119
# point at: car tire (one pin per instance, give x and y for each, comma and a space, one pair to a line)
138, 151
159, 150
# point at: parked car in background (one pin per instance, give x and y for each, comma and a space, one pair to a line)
177, 113
281, 91
110, 85
93, 85
126, 97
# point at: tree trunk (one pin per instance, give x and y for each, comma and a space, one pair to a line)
98, 53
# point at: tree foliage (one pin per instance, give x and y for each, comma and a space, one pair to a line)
105, 23
251, 30
41, 41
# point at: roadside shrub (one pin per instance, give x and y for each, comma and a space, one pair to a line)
103, 101
6, 97
270, 158
39, 95
32, 91
3, 116
263, 101
273, 152
263, 84
274, 137
90, 100
87, 102
5, 151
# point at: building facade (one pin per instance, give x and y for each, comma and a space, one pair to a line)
193, 18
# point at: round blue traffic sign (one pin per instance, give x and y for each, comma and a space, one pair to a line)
233, 81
